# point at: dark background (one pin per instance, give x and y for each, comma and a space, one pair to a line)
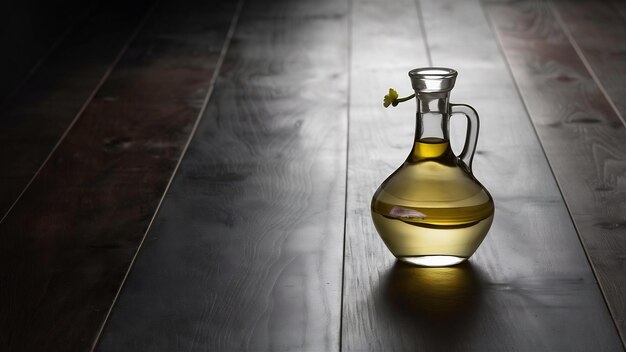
31, 29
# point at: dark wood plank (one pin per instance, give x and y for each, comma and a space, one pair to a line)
581, 135
529, 285
246, 251
36, 117
598, 33
67, 244
378, 144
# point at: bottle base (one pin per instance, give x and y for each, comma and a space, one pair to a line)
433, 261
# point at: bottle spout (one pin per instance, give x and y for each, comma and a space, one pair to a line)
432, 79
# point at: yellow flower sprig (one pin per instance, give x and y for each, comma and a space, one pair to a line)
393, 100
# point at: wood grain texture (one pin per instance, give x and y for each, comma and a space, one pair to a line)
68, 243
599, 33
378, 142
37, 115
582, 136
246, 251
529, 287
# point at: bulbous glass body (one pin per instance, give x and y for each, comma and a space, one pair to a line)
432, 211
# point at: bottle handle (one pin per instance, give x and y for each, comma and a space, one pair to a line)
471, 137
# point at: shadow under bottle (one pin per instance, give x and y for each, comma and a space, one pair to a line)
434, 307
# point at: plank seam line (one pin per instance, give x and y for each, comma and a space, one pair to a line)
218, 67
47, 54
583, 58
79, 114
345, 205
420, 18
532, 123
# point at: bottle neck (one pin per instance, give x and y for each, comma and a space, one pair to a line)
432, 133
432, 117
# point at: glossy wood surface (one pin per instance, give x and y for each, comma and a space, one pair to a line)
529, 283
35, 118
581, 134
67, 244
208, 185
246, 251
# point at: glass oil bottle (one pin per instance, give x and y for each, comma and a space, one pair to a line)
432, 211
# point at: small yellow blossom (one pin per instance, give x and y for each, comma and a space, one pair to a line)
391, 98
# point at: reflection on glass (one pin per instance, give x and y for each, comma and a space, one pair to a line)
434, 260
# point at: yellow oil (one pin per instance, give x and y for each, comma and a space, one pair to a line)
432, 211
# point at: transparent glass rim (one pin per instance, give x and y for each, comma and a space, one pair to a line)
432, 79
433, 73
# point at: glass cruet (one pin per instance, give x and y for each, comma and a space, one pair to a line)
432, 211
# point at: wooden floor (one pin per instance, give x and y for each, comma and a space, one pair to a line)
197, 176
